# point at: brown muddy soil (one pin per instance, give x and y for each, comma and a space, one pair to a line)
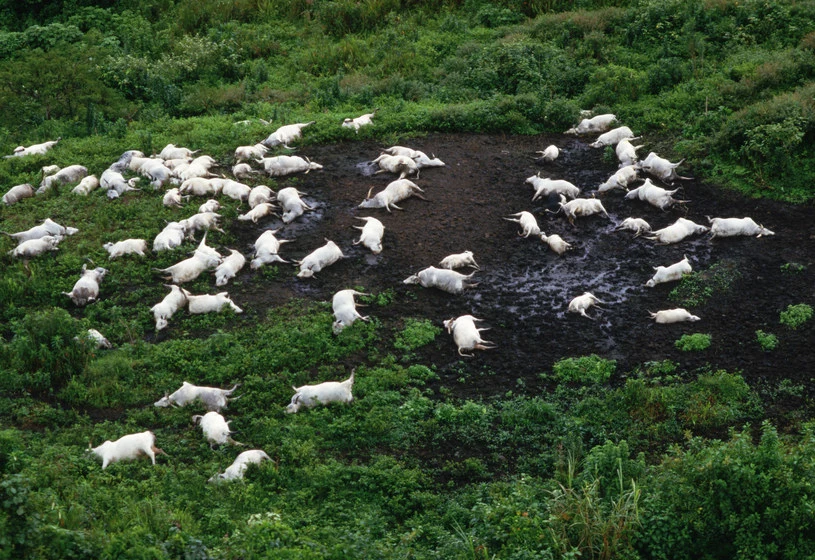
524, 288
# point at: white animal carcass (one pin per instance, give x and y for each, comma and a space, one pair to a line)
128, 447
670, 273
210, 303
243, 171
200, 186
279, 166
191, 268
356, 123
215, 428
166, 308
236, 470
323, 393
402, 165
372, 233
246, 153
466, 335
86, 186
612, 137
210, 205
170, 151
212, 398
556, 243
286, 134
36, 247
529, 225
34, 149
730, 227
678, 315
258, 212
86, 289
203, 221
172, 198
459, 260
677, 231
581, 207
653, 195
259, 195
396, 191
446, 280
170, 237
229, 267
266, 248
544, 187
599, 123
661, 168
620, 180
98, 339
548, 155
47, 227
126, 247
17, 193
345, 310
582, 303
70, 174
422, 159
637, 225
318, 259
292, 205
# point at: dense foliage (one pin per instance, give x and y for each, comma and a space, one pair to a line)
659, 462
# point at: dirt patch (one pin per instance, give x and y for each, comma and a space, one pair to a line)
524, 288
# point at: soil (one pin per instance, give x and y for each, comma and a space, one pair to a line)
523, 287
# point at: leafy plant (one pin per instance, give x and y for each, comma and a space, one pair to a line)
585, 369
767, 341
693, 342
415, 334
796, 315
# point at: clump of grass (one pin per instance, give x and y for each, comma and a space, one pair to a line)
796, 315
697, 287
417, 333
767, 341
693, 342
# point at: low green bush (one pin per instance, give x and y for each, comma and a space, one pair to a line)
693, 342
585, 369
796, 315
767, 341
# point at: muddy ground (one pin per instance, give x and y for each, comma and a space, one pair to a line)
524, 288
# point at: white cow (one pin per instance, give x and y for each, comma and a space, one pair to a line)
599, 123
128, 447
211, 397
34, 149
730, 227
670, 273
266, 248
581, 207
582, 303
172, 198
210, 205
362, 120
291, 203
86, 289
191, 268
466, 335
259, 195
459, 260
209, 303
371, 236
556, 243
17, 193
215, 428
620, 180
286, 134
236, 470
323, 393
396, 191
170, 151
86, 186
229, 267
318, 259
245, 153
548, 155
422, 159
199, 186
661, 168
637, 225
47, 227
279, 166
676, 232
345, 310
529, 225
258, 212
170, 237
402, 165
36, 247
166, 308
544, 187
612, 137
70, 174
626, 152
243, 171
677, 315
653, 195
126, 247
446, 280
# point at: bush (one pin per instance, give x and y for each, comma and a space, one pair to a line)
767, 341
416, 333
796, 315
585, 369
693, 342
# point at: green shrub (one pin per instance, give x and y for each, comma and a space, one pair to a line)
695, 342
585, 369
767, 341
796, 315
697, 287
415, 334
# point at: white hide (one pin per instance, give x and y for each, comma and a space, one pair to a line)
286, 134
550, 154
529, 225
236, 470
266, 248
86, 186
215, 428
730, 227
344, 308
678, 315
17, 193
209, 303
229, 267
676, 232
582, 303
36, 247
280, 166
599, 123
466, 335
544, 187
166, 308
637, 225
459, 260
356, 123
612, 137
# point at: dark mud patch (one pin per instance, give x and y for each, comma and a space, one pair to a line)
524, 288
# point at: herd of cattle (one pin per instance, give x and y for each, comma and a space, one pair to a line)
187, 175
